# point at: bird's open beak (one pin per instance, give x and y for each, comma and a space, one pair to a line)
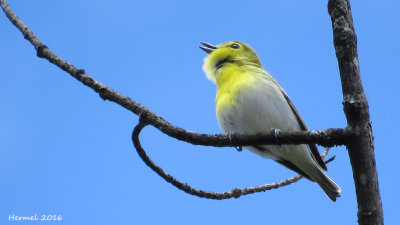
207, 47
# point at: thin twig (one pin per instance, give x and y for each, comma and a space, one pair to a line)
234, 193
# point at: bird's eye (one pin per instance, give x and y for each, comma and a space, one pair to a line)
235, 46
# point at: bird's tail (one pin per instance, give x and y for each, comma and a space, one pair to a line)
329, 186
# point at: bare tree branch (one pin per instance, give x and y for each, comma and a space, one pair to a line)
234, 193
357, 136
328, 137
361, 147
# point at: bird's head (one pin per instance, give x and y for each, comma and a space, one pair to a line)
231, 52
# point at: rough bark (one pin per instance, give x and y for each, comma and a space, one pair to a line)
361, 146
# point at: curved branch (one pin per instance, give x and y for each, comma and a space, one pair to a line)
234, 193
328, 137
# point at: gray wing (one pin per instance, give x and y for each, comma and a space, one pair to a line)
303, 125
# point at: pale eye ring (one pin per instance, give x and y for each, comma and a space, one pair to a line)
235, 46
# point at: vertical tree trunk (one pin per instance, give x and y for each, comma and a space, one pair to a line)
361, 148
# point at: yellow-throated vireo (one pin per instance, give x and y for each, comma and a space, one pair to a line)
249, 100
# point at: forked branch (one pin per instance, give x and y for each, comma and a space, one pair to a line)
234, 193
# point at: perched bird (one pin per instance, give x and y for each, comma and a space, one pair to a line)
249, 100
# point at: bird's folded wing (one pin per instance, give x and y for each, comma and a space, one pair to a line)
303, 125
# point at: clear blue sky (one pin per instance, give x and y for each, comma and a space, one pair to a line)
65, 151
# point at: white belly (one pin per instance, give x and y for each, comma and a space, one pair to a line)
257, 110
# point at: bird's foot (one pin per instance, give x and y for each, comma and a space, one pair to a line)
238, 148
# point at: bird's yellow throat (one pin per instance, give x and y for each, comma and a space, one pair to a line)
231, 79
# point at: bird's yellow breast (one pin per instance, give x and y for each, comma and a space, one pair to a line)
231, 79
